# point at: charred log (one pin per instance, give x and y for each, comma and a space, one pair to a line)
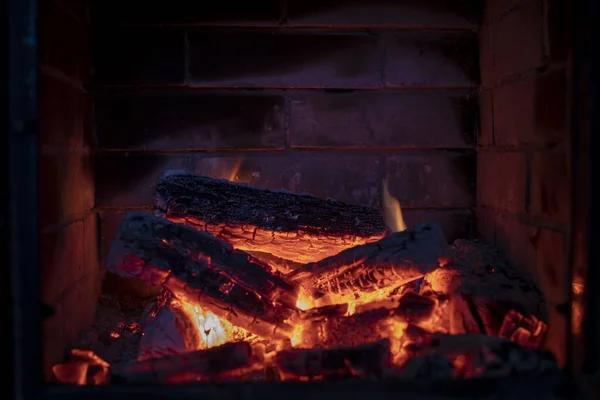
482, 288
300, 228
195, 366
366, 361
473, 356
384, 265
481, 273
204, 271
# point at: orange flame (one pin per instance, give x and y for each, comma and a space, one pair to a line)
233, 174
392, 212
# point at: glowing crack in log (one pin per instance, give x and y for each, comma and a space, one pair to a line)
371, 271
296, 227
204, 271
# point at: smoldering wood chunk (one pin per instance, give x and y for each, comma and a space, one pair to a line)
204, 271
203, 365
473, 355
482, 288
168, 330
525, 330
301, 228
83, 368
367, 361
330, 327
479, 271
383, 265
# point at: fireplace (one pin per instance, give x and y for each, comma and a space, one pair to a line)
288, 191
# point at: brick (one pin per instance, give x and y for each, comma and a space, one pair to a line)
432, 59
64, 42
76, 183
550, 186
190, 120
549, 248
440, 14
66, 187
382, 120
50, 208
486, 56
79, 307
556, 336
518, 40
531, 110
182, 12
556, 29
53, 348
62, 260
486, 119
456, 224
109, 223
352, 178
434, 181
239, 58
63, 113
91, 245
514, 239
79, 9
137, 174
494, 9
137, 56
501, 181
485, 223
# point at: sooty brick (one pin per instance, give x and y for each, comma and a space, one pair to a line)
238, 58
190, 120
409, 119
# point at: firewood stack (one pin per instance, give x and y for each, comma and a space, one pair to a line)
359, 302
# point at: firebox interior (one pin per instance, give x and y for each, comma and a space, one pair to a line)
338, 186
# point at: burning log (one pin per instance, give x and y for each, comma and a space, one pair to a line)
366, 361
167, 330
211, 364
205, 271
375, 267
301, 228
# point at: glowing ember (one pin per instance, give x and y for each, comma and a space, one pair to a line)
214, 331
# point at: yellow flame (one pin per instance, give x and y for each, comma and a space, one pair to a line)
304, 301
392, 213
233, 174
214, 331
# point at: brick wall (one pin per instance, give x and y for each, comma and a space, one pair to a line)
323, 99
69, 249
522, 171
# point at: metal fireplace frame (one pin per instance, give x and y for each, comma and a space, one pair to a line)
19, 222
